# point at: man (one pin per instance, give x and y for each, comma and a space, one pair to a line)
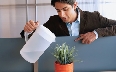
71, 21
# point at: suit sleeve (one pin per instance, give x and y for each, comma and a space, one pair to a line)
22, 34
108, 26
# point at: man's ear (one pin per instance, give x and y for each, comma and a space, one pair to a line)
75, 5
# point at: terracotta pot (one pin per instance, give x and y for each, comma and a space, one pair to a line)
63, 68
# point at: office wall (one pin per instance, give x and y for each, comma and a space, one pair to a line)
15, 13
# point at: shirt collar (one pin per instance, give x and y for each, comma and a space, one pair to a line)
78, 19
78, 15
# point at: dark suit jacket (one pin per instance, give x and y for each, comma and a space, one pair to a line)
89, 21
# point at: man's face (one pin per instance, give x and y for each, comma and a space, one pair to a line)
65, 11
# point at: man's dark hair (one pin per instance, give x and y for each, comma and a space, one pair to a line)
70, 2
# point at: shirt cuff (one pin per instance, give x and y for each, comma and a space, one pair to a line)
96, 34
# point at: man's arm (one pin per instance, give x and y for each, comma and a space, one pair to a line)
108, 27
30, 28
47, 25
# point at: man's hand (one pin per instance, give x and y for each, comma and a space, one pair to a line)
87, 38
30, 26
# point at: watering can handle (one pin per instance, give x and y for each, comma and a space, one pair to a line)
36, 63
26, 36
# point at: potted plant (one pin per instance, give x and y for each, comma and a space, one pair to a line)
64, 58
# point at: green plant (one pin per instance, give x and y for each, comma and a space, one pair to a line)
64, 54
